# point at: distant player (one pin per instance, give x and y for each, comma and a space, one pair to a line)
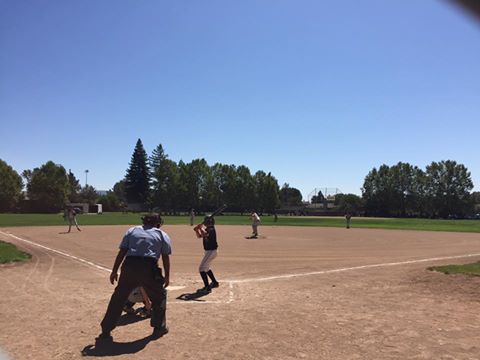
71, 216
348, 216
192, 216
207, 232
255, 222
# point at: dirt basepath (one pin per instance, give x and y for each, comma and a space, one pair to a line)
313, 293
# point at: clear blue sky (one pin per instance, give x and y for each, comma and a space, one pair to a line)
315, 92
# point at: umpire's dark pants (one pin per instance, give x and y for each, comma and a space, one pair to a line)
138, 271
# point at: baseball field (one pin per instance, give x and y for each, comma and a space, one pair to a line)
296, 292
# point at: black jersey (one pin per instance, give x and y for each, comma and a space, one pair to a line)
210, 240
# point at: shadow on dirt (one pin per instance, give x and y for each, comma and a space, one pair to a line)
193, 296
116, 348
126, 319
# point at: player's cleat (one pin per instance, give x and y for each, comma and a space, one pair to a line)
214, 285
104, 338
159, 332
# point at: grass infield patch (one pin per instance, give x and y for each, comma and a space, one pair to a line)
10, 253
467, 269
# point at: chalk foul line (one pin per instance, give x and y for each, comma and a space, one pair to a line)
360, 267
57, 252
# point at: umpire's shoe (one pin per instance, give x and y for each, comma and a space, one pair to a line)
159, 332
103, 338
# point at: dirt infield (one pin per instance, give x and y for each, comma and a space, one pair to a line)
294, 293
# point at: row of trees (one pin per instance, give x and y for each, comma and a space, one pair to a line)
443, 189
154, 182
162, 184
48, 188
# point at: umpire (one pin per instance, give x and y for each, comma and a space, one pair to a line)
139, 252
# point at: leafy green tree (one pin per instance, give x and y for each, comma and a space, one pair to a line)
290, 196
448, 187
88, 194
245, 189
137, 179
476, 201
183, 197
223, 186
406, 190
172, 186
10, 187
215, 186
196, 175
166, 187
48, 187
110, 202
349, 203
119, 191
266, 190
476, 197
378, 192
159, 172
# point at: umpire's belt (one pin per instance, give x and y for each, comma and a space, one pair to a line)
145, 259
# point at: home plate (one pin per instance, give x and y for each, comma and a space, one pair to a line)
173, 288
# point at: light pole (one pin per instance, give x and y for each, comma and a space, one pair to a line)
86, 178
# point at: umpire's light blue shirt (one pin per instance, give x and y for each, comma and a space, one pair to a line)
146, 242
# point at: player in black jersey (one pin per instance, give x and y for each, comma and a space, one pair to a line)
206, 230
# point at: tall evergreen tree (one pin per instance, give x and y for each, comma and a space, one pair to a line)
137, 179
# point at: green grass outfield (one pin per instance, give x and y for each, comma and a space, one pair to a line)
9, 220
